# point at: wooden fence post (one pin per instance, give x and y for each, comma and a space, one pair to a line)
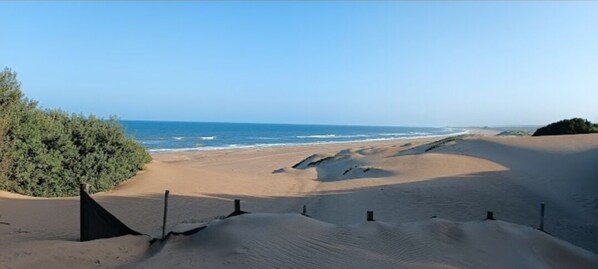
83, 233
237, 206
542, 217
166, 193
370, 216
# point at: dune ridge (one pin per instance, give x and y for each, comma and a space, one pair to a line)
295, 241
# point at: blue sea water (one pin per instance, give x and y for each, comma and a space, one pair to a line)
160, 136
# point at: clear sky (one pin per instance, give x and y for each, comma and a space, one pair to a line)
372, 63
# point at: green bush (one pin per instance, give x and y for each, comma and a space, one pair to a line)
564, 127
513, 133
49, 152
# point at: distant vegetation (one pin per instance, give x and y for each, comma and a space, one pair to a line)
564, 127
49, 152
436, 144
514, 133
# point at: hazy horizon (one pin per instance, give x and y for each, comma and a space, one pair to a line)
458, 64
365, 125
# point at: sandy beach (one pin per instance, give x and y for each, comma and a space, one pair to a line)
405, 182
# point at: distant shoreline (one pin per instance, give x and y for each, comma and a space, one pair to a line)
290, 145
240, 146
201, 136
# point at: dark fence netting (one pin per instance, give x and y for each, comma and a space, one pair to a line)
97, 222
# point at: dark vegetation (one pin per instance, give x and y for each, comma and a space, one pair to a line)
363, 169
514, 133
310, 161
439, 143
314, 163
565, 127
49, 152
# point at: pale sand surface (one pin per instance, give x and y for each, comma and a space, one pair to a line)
404, 185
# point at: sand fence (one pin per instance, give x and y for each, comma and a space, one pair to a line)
97, 223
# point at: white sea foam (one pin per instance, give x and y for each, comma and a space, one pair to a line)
353, 136
316, 136
179, 138
265, 138
393, 134
263, 145
332, 136
173, 150
150, 142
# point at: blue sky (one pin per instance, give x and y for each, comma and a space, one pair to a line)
371, 63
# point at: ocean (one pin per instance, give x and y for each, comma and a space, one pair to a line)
160, 136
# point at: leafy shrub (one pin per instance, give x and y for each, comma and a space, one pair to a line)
572, 126
49, 153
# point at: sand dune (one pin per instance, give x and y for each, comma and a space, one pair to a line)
346, 164
406, 183
102, 253
294, 241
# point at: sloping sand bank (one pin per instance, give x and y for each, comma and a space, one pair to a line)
295, 241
